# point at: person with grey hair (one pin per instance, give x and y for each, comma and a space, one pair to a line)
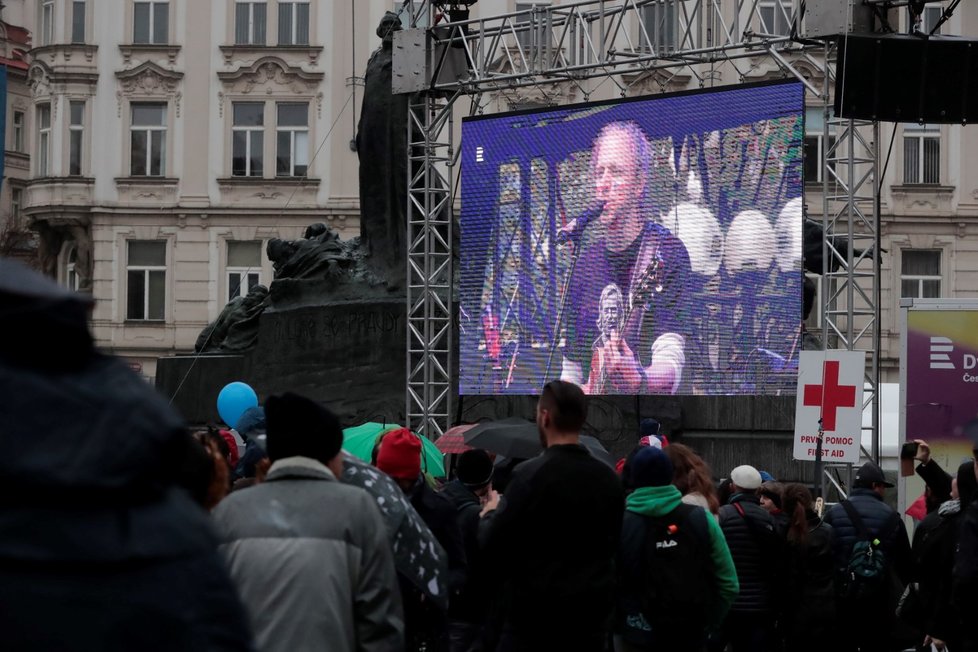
623, 246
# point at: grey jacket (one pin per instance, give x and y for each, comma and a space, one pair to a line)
312, 563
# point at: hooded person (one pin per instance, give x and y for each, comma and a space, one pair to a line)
94, 528
399, 456
680, 545
467, 492
308, 554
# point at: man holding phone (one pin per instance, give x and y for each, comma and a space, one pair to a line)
936, 479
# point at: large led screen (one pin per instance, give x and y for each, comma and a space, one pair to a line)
643, 246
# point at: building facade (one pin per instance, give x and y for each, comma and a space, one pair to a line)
171, 139
16, 239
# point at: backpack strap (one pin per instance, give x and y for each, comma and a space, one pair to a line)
857, 520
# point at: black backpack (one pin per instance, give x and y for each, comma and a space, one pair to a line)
865, 572
679, 576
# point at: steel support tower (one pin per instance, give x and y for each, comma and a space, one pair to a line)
583, 46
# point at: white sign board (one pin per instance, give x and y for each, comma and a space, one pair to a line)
830, 389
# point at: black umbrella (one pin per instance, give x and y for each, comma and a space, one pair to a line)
519, 438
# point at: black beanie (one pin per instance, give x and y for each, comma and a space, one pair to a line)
475, 468
650, 467
297, 425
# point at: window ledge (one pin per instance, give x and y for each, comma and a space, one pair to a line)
129, 50
244, 50
66, 50
921, 189
146, 181
261, 181
38, 181
145, 322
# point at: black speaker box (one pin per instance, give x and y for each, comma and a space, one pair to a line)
907, 78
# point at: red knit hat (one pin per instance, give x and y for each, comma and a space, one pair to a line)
400, 454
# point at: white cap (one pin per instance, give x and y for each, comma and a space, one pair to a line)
746, 477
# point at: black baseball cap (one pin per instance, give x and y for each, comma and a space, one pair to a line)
870, 474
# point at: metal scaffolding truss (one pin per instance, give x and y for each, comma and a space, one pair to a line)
624, 43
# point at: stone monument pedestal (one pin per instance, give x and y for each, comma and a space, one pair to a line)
347, 353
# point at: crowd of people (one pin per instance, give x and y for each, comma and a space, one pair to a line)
120, 531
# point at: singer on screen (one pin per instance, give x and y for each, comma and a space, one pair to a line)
624, 323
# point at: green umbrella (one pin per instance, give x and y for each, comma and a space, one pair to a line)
359, 441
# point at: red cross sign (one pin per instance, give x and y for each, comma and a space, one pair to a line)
830, 395
830, 390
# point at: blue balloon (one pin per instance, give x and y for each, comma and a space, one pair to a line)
233, 400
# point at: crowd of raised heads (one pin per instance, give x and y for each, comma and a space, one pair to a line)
121, 530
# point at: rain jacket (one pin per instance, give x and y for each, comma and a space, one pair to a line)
757, 551
655, 502
98, 549
311, 561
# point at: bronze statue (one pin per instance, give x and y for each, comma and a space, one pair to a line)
382, 148
236, 329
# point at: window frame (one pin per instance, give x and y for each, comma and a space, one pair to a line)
248, 130
16, 203
146, 271
252, 39
815, 130
19, 128
76, 131
43, 139
151, 26
75, 24
920, 279
164, 127
292, 130
780, 11
293, 36
664, 41
45, 22
246, 272
922, 134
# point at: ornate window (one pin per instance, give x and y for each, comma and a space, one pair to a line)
151, 22
18, 139
43, 139
78, 21
148, 139
250, 21
816, 147
292, 140
146, 280
243, 268
293, 23
71, 271
775, 17
920, 273
921, 154
46, 22
248, 139
76, 131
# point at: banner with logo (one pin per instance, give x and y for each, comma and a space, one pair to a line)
941, 381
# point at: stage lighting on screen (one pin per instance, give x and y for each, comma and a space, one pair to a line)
642, 246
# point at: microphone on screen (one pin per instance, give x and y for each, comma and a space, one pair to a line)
576, 227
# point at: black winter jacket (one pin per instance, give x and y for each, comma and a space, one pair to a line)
553, 542
98, 549
471, 604
882, 522
810, 598
965, 574
757, 551
934, 543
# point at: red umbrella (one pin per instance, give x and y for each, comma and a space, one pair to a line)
452, 441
